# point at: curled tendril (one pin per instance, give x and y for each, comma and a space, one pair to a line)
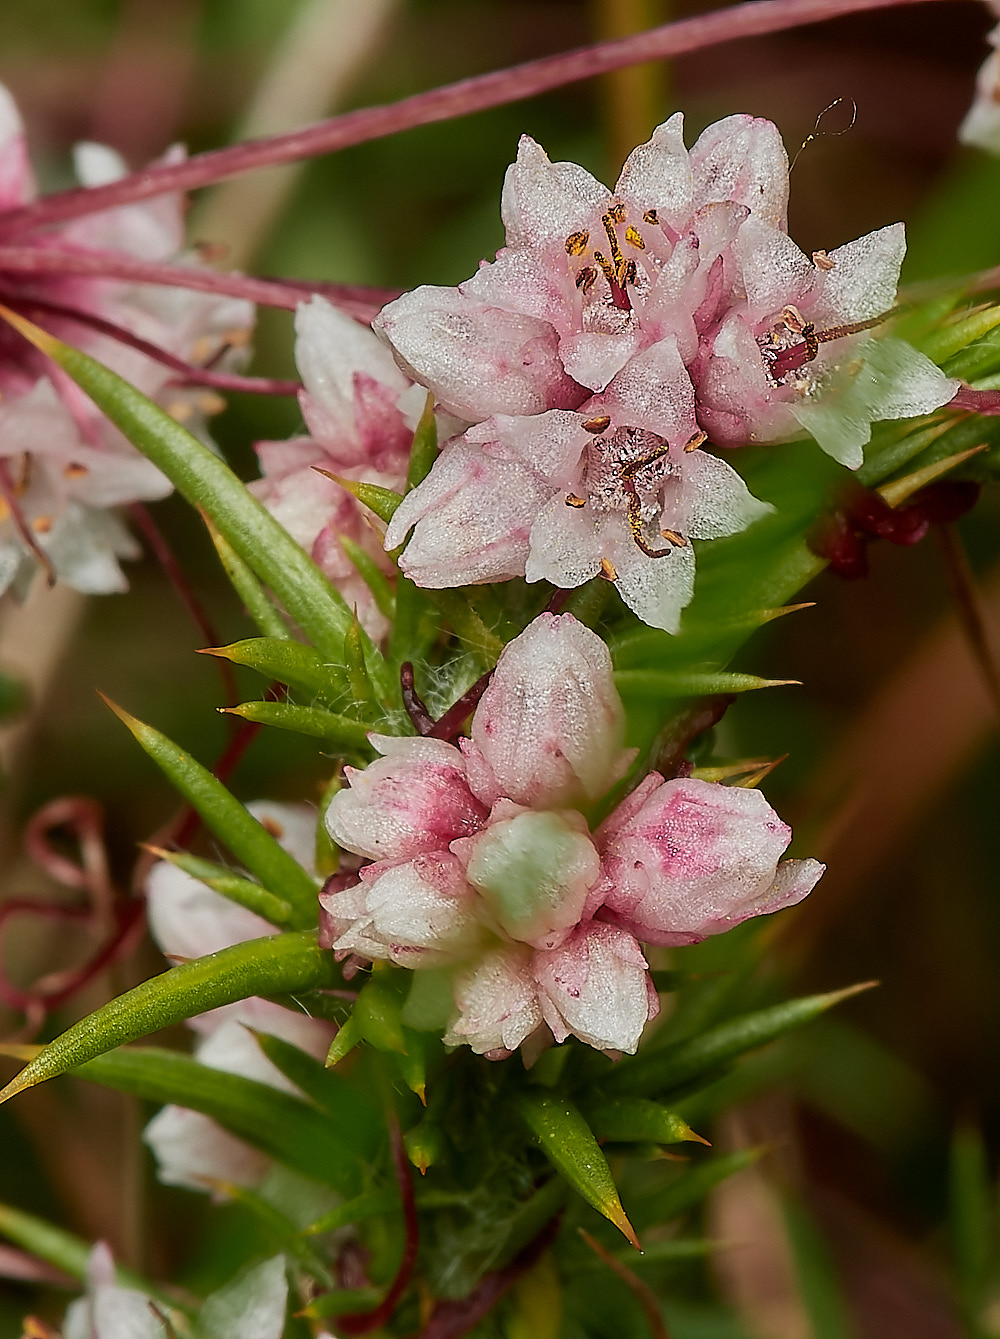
116, 921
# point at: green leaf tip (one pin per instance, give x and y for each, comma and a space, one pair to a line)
571, 1146
382, 501
34, 334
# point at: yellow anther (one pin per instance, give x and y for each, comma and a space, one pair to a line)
42, 524
675, 538
597, 425
576, 243
572, 500
698, 439
74, 470
586, 279
617, 212
822, 261
606, 267
608, 571
634, 238
650, 216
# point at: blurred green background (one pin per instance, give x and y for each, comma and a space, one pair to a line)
892, 768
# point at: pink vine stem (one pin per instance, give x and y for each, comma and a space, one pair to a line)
439, 104
358, 300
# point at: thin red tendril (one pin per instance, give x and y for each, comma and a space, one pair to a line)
119, 920
729, 24
358, 300
363, 1322
423, 721
455, 717
167, 559
8, 491
451, 1320
202, 376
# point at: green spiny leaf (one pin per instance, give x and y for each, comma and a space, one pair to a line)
569, 1144
255, 598
208, 483
269, 966
339, 732
677, 1064
224, 881
358, 1123
372, 575
636, 1119
291, 663
247, 838
279, 1124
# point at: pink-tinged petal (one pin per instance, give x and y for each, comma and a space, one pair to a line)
418, 914
565, 548
535, 281
17, 181
544, 201
657, 175
497, 1002
718, 502
414, 799
188, 920
551, 723
293, 827
793, 880
895, 381
595, 987
533, 872
981, 125
737, 404
695, 859
655, 589
593, 358
549, 444
330, 349
775, 272
250, 1306
862, 283
108, 1311
742, 158
191, 1150
654, 391
471, 519
477, 359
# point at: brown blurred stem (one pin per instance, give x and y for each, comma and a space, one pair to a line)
630, 95
969, 607
642, 1291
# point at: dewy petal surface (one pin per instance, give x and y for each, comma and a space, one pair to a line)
551, 724
544, 201
742, 158
496, 1001
658, 175
477, 359
417, 914
414, 799
595, 986
694, 858
471, 519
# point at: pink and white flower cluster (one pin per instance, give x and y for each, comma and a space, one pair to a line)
484, 867
612, 336
188, 920
358, 431
64, 465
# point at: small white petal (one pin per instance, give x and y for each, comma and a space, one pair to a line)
657, 175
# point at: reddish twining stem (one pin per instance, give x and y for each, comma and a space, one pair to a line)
455, 717
450, 1320
440, 104
363, 1322
175, 574
423, 721
357, 300
187, 372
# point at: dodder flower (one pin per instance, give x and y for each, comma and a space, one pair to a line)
483, 866
351, 407
188, 919
611, 337
62, 464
